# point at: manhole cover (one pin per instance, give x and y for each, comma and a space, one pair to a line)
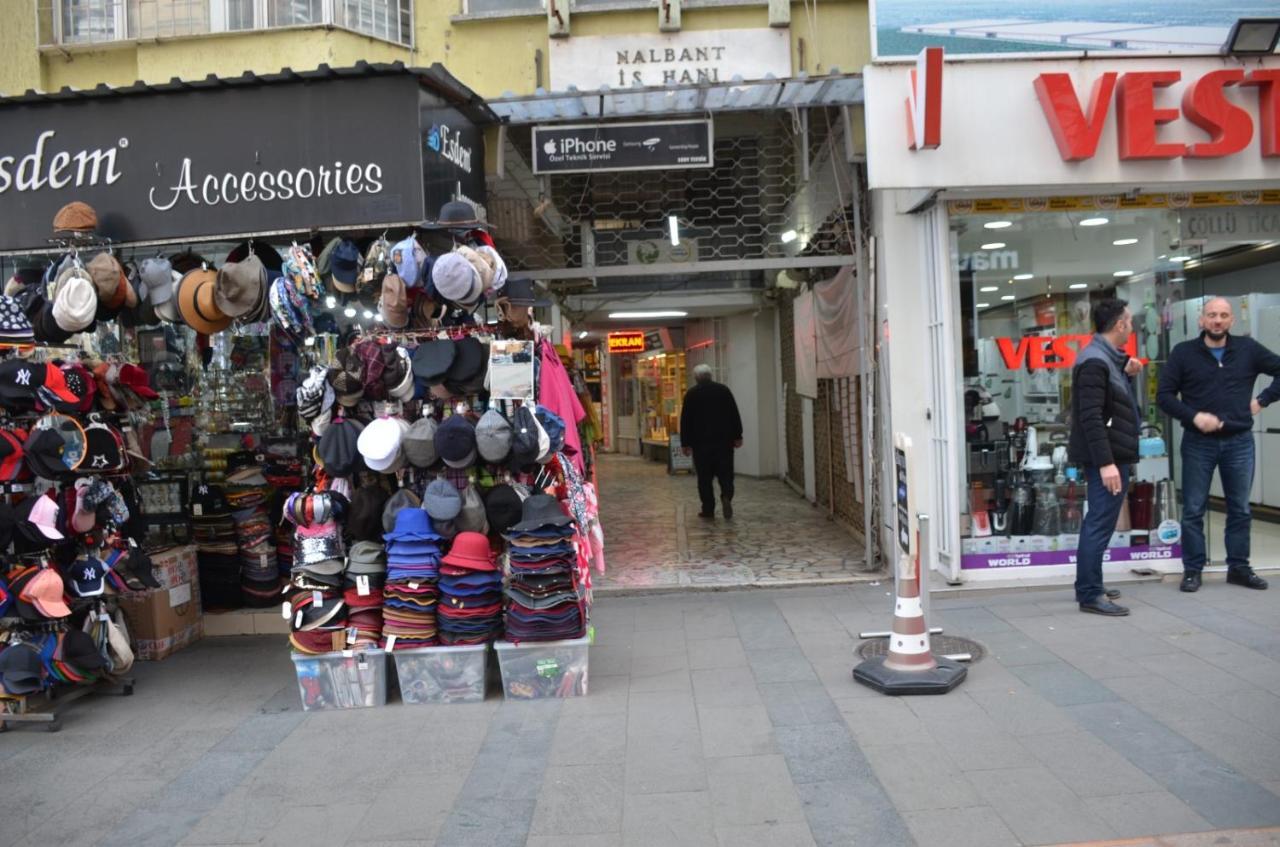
942, 645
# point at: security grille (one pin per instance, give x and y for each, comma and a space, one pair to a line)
737, 210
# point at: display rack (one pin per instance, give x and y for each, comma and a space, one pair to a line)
16, 708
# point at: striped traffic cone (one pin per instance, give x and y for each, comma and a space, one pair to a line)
909, 641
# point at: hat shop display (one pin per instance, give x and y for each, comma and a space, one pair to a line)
325, 416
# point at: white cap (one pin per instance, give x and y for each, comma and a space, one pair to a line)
379, 442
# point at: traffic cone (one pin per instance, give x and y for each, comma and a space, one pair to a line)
909, 641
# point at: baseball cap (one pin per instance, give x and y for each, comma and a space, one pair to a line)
88, 576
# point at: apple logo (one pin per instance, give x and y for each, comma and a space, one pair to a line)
549, 147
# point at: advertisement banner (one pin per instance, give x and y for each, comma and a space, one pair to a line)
987, 28
213, 161
666, 145
1033, 558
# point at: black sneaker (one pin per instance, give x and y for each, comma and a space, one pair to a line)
727, 506
1247, 578
1190, 581
1103, 606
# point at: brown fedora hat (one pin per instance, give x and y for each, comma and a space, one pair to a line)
240, 285
196, 303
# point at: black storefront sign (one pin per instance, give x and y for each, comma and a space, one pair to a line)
452, 156
622, 147
226, 160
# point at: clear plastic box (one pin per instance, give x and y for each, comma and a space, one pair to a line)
540, 669
350, 679
441, 674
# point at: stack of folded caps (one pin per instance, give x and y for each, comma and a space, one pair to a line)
217, 553
363, 584
319, 621
542, 558
470, 610
318, 556
316, 603
259, 576
411, 595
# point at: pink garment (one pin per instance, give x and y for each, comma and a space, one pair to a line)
555, 391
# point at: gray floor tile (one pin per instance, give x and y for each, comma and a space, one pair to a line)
1136, 815
660, 820
798, 703
842, 812
973, 826
1088, 766
919, 776
786, 664
664, 770
561, 809
765, 835
599, 839
1038, 807
1216, 792
717, 653
821, 753
1063, 685
590, 739
883, 721
1020, 712
752, 790
736, 731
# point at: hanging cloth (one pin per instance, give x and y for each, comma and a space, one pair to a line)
555, 392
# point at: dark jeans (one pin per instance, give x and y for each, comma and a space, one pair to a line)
1232, 455
1095, 532
713, 463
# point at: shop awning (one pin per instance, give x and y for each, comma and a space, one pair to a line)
736, 95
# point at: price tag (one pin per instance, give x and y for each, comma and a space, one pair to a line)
362, 586
197, 510
347, 654
414, 586
310, 341
286, 610
317, 599
391, 642
352, 634
297, 621
262, 560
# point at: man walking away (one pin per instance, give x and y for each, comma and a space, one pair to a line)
1104, 439
1208, 385
711, 429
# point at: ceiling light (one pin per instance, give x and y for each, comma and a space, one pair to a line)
984, 305
1076, 286
1179, 258
330, 302
1253, 37
1024, 276
349, 312
1094, 221
1008, 297
987, 288
994, 245
674, 226
1123, 273
997, 224
625, 316
1124, 242
368, 316
582, 335
788, 236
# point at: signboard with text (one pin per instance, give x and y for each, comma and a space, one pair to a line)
201, 162
452, 157
667, 145
626, 342
677, 58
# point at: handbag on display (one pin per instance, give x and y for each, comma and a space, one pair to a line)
1151, 445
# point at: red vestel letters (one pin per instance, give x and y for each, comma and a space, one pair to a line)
1038, 352
1205, 104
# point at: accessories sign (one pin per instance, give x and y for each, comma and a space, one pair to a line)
622, 147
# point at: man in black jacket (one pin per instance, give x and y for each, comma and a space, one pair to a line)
1215, 375
711, 429
1104, 439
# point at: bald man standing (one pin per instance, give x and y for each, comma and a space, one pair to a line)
1208, 385
710, 430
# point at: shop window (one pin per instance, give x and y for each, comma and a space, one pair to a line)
1027, 282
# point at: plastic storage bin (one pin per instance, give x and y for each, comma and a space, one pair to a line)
351, 679
538, 669
441, 674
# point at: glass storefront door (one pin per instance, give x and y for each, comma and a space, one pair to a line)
1026, 282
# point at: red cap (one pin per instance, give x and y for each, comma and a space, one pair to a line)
134, 377
56, 382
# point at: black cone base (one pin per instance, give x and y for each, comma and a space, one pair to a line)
946, 676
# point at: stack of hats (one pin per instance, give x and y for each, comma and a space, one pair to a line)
217, 552
544, 602
411, 595
317, 604
470, 610
365, 578
259, 574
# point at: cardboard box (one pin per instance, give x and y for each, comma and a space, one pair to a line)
164, 620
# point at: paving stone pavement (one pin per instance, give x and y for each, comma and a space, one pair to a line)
714, 718
654, 538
